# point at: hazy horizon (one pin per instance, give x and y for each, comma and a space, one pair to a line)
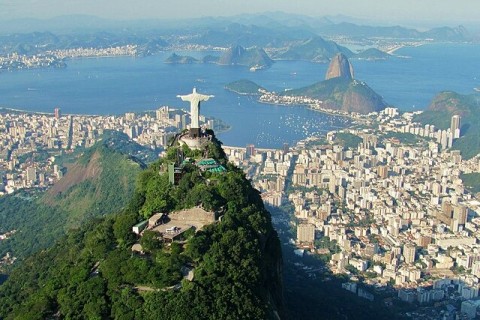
410, 12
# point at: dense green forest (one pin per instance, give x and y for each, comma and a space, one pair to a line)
42, 218
91, 273
472, 181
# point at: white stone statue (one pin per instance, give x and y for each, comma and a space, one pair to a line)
195, 99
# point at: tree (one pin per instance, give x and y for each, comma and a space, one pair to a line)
150, 241
122, 228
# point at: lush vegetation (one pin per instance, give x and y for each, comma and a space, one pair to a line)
404, 138
244, 87
120, 142
347, 140
472, 181
42, 218
92, 274
342, 94
447, 104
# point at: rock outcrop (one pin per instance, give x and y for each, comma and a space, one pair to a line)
339, 67
251, 57
340, 91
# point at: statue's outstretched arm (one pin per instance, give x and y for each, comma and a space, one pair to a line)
205, 97
184, 98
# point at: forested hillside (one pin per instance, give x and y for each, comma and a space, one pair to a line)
92, 273
98, 183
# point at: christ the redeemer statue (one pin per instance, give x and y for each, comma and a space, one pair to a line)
195, 99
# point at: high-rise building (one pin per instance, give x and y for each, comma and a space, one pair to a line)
31, 174
250, 150
130, 116
305, 233
409, 253
162, 113
57, 113
455, 126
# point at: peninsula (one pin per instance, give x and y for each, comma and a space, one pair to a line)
339, 93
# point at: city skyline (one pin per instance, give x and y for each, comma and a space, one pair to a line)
428, 11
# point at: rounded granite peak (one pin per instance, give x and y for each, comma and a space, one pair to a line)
339, 67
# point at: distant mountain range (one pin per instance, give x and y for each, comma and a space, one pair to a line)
275, 30
315, 49
39, 42
256, 29
255, 58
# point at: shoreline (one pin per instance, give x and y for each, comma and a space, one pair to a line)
310, 107
243, 94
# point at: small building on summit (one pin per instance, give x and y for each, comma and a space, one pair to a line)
210, 165
157, 219
171, 227
139, 227
175, 173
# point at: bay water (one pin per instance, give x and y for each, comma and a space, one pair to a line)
131, 84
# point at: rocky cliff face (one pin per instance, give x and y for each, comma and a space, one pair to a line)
339, 67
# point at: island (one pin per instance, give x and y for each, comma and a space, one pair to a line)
254, 58
372, 54
245, 87
179, 59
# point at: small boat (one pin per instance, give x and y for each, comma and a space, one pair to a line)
477, 89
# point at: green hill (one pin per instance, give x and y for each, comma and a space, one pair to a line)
92, 274
100, 182
372, 54
444, 106
314, 49
244, 87
342, 94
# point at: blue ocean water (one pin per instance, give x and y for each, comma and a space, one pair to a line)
125, 84
411, 83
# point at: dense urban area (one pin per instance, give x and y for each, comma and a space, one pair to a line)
30, 141
385, 205
382, 202
386, 210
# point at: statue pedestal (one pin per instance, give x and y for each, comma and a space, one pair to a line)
194, 133
197, 143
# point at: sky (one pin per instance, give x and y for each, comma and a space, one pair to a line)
455, 11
